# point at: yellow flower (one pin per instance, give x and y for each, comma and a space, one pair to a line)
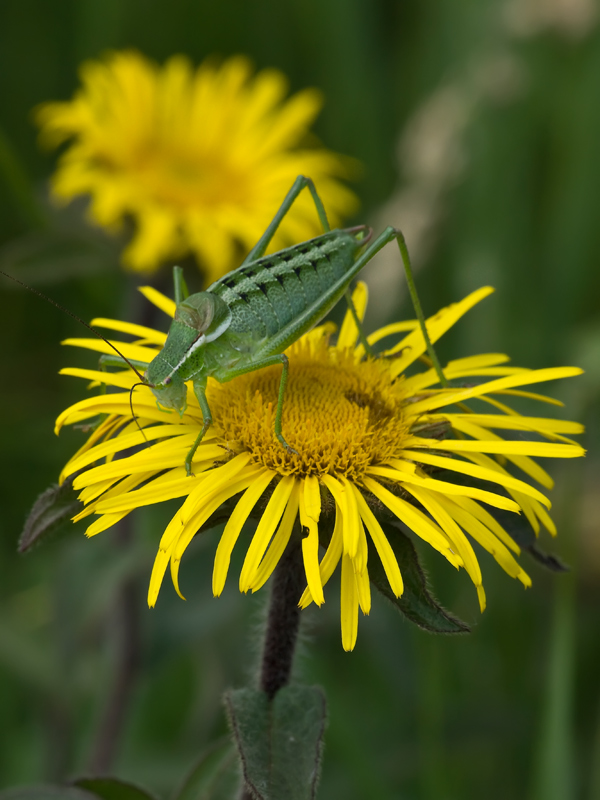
200, 159
369, 434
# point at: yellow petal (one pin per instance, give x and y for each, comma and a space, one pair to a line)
280, 540
262, 536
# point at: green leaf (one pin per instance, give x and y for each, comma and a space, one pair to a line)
417, 603
279, 741
46, 793
113, 789
56, 506
214, 776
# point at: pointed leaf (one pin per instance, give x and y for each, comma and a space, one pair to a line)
214, 776
416, 603
113, 789
56, 506
279, 741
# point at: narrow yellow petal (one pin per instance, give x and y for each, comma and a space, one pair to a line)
510, 382
330, 559
487, 540
310, 543
413, 346
363, 590
141, 331
158, 299
506, 447
266, 527
349, 332
350, 520
499, 475
445, 487
435, 505
383, 547
348, 604
415, 520
131, 351
196, 521
280, 540
123, 380
513, 423
103, 523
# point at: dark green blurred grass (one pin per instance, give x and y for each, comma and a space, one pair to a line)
410, 716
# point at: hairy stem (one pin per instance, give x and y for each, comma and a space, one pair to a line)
283, 623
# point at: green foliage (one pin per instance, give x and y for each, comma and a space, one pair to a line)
46, 793
113, 789
279, 741
53, 509
487, 133
214, 776
417, 602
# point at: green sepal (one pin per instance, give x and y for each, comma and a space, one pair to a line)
53, 508
416, 603
112, 789
279, 741
46, 793
214, 776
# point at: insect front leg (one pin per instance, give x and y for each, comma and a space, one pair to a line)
108, 360
268, 361
300, 183
200, 392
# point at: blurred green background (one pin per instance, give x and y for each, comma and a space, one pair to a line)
478, 125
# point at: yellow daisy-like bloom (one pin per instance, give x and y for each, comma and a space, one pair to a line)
200, 159
369, 434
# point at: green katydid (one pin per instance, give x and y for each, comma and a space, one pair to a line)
247, 319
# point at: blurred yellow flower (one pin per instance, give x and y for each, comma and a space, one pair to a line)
199, 159
369, 433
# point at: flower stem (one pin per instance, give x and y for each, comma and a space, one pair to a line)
283, 621
283, 624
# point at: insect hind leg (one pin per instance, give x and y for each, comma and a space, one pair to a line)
299, 184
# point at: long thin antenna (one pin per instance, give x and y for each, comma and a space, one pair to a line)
75, 317
137, 422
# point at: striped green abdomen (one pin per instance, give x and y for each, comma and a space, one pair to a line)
269, 293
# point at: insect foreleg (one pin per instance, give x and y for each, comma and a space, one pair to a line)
300, 183
108, 360
200, 392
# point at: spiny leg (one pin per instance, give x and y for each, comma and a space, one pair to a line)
108, 360
388, 235
200, 392
300, 183
269, 361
